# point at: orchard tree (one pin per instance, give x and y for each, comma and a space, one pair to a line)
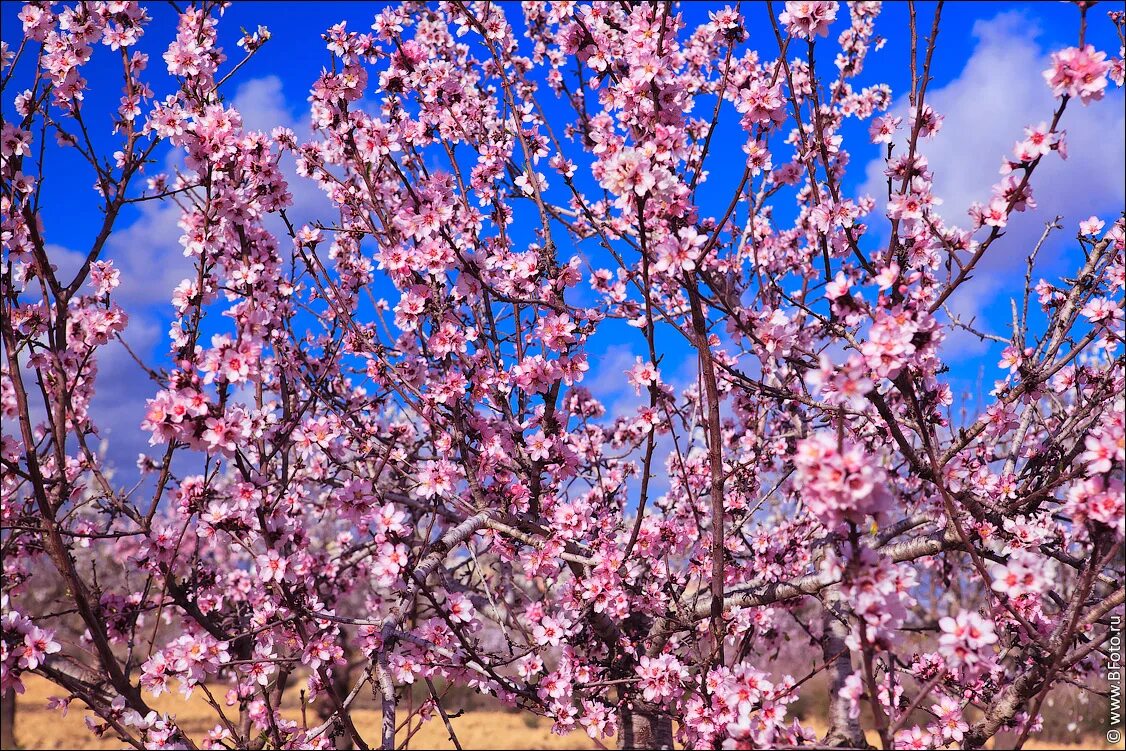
372, 445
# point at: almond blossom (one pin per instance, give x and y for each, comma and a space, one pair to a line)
553, 353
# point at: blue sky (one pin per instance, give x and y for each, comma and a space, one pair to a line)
986, 81
296, 53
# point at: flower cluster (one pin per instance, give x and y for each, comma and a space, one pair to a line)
839, 483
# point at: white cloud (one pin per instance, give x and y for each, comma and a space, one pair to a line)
607, 378
967, 306
998, 93
67, 262
151, 260
261, 102
118, 406
149, 255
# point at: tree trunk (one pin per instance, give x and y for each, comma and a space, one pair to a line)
844, 731
388, 706
8, 720
644, 727
341, 675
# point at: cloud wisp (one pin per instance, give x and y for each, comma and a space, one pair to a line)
986, 107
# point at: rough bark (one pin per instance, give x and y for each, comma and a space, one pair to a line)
388, 703
8, 720
645, 728
1004, 708
844, 731
341, 678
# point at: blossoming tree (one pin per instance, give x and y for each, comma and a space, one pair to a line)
376, 466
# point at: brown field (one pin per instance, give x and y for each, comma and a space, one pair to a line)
38, 727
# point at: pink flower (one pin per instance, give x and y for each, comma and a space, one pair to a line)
104, 277
1099, 498
1011, 358
548, 631
435, 479
597, 720
389, 562
1020, 576
642, 374
1091, 226
839, 287
154, 674
461, 609
37, 644
964, 637
806, 20
271, 566
1102, 310
1101, 451
680, 252
1039, 141
539, 446
221, 435
14, 142
951, 722
915, 738
1078, 73
660, 677
529, 666
837, 485
852, 692
996, 214
556, 330
883, 128
322, 650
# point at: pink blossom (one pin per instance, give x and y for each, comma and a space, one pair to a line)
1079, 73
806, 20
660, 677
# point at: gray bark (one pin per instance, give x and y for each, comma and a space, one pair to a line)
844, 731
644, 728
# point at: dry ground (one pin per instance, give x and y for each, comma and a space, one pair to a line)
38, 727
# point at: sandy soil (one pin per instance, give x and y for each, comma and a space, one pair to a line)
39, 727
